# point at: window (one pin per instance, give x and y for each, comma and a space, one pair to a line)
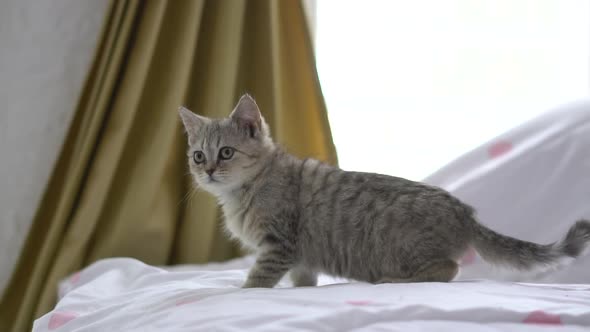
412, 85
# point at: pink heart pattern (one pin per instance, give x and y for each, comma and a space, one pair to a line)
60, 318
75, 278
469, 257
499, 148
541, 317
185, 301
358, 302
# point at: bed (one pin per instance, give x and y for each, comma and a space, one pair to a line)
531, 182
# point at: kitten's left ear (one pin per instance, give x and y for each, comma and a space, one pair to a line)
247, 115
192, 122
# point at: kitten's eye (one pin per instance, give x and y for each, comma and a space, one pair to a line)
199, 157
226, 153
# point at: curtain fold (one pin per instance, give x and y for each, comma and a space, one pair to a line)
121, 186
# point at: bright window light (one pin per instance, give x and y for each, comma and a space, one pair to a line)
412, 85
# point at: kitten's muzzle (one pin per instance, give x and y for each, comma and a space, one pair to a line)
210, 171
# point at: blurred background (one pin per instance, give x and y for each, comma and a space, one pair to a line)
425, 81
89, 91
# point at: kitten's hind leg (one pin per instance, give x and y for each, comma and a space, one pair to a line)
442, 271
303, 277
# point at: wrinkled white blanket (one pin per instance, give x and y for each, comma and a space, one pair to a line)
126, 295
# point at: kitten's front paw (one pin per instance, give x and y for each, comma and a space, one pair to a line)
254, 284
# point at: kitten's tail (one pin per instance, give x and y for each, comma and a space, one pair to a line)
501, 249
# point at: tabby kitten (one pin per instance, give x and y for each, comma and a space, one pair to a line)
307, 217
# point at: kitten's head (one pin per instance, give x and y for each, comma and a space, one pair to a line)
225, 153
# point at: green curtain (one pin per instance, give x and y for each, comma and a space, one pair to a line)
121, 186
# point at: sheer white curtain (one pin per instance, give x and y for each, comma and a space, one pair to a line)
411, 85
45, 50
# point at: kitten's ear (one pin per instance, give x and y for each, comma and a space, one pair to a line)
247, 115
192, 122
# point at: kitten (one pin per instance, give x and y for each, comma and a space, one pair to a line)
307, 217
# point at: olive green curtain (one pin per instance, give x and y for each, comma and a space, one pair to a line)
121, 185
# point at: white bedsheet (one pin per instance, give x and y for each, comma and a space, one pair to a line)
126, 295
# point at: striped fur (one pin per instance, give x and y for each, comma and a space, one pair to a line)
307, 217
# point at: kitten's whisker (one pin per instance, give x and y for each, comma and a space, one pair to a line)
191, 196
188, 197
184, 198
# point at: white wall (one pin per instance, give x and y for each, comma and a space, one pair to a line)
46, 48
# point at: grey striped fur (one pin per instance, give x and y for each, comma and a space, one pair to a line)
308, 217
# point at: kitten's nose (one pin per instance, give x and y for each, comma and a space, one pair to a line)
210, 171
